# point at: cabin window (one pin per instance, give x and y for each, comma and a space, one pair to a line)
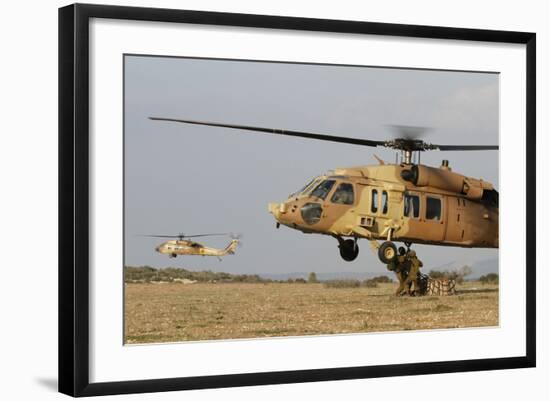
343, 194
433, 208
322, 190
412, 206
384, 202
374, 201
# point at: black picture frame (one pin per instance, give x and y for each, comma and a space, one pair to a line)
74, 198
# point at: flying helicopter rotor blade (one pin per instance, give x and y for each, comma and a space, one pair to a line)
204, 235
276, 131
406, 142
465, 147
158, 236
182, 235
238, 237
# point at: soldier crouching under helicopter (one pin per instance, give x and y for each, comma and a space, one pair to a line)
399, 265
406, 267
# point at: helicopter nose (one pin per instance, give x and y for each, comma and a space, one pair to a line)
283, 212
275, 210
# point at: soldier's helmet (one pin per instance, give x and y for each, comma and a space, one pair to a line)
412, 253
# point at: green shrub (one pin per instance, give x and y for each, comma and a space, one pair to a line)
312, 278
381, 279
491, 278
371, 283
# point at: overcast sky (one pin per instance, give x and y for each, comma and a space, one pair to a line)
195, 179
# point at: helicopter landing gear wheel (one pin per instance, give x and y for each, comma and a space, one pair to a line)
349, 250
173, 255
387, 252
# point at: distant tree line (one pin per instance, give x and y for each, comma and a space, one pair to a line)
148, 274
491, 278
457, 274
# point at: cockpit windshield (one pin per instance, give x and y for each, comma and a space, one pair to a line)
306, 188
322, 190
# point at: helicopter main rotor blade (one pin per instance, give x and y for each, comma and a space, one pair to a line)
466, 147
159, 236
183, 235
309, 135
406, 143
204, 235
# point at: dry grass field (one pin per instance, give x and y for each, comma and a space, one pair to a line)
170, 312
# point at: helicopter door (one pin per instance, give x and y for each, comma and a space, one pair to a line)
433, 217
336, 205
456, 217
411, 215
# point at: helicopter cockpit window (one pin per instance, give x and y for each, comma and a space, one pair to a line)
433, 208
384, 202
322, 190
306, 188
343, 194
374, 201
412, 206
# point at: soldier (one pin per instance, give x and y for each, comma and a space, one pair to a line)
412, 279
400, 266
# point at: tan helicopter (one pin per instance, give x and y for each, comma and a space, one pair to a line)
406, 201
182, 246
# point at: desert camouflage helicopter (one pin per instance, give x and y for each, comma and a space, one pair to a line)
182, 246
406, 201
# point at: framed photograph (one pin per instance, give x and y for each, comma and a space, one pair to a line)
251, 199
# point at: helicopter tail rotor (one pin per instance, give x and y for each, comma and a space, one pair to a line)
238, 237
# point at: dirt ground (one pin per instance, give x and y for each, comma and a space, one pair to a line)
170, 312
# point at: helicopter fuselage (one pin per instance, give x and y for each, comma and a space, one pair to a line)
396, 202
